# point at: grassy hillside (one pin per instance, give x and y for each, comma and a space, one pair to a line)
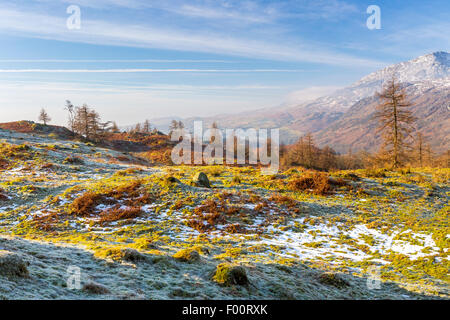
140, 232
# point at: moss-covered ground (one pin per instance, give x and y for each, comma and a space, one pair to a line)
65, 204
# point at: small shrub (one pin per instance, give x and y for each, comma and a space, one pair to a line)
85, 204
317, 183
333, 279
73, 160
228, 275
235, 228
216, 171
126, 172
351, 176
187, 255
236, 179
375, 173
11, 152
119, 213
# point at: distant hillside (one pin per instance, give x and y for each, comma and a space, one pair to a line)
39, 129
341, 119
356, 130
154, 147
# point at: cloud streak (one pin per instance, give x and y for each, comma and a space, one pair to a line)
97, 32
145, 70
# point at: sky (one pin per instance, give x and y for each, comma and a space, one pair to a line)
138, 59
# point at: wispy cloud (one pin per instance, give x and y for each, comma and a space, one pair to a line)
117, 60
146, 70
144, 36
309, 93
245, 11
115, 88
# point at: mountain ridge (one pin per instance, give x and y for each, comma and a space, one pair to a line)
427, 79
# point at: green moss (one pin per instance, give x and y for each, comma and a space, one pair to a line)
227, 274
187, 255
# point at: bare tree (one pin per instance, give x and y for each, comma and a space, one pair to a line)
173, 126
137, 128
395, 122
310, 148
44, 117
95, 130
114, 127
420, 148
87, 122
305, 153
81, 121
146, 127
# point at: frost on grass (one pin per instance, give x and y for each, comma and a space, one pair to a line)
140, 232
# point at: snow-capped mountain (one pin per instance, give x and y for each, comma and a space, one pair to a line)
429, 70
342, 119
427, 83
434, 66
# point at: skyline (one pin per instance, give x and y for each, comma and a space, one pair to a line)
199, 58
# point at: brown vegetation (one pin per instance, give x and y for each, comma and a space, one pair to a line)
85, 204
125, 202
119, 213
211, 213
317, 183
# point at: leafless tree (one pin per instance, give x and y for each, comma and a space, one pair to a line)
44, 117
395, 122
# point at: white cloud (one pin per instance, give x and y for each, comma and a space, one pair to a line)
146, 70
101, 32
310, 93
116, 60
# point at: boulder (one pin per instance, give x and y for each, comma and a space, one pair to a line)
333, 279
95, 288
132, 255
12, 265
172, 179
201, 180
227, 274
187, 255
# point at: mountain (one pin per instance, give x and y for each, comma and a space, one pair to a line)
427, 83
342, 119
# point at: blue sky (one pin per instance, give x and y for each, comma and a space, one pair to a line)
137, 59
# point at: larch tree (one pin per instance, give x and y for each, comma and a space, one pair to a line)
87, 122
44, 117
421, 148
115, 127
146, 127
395, 122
